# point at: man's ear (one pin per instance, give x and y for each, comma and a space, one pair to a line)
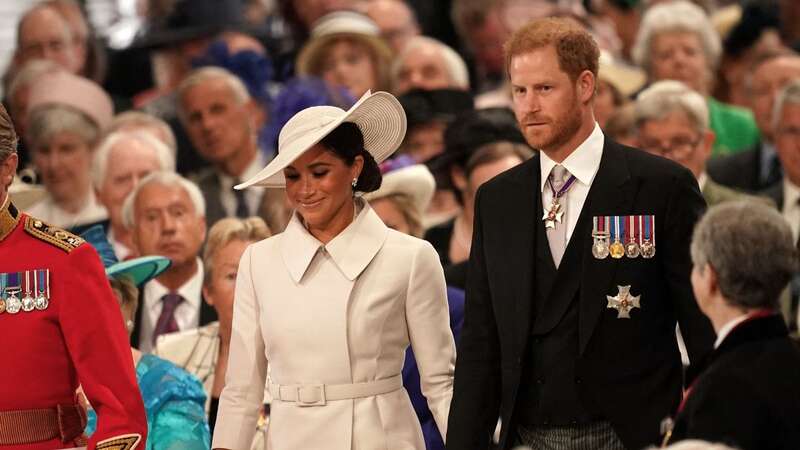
459, 178
208, 298
586, 86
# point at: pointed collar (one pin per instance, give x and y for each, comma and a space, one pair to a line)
351, 250
583, 162
9, 218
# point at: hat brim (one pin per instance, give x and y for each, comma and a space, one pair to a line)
379, 116
416, 182
24, 196
139, 270
312, 50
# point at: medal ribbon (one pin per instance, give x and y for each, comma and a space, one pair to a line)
614, 230
631, 228
564, 188
3, 284
35, 283
13, 280
647, 229
621, 222
27, 283
43, 276
653, 229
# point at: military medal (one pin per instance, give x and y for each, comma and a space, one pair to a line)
616, 249
649, 237
42, 289
623, 302
27, 299
13, 303
3, 280
554, 214
600, 236
632, 246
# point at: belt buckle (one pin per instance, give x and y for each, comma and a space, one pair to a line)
311, 395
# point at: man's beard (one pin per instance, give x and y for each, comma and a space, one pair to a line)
562, 129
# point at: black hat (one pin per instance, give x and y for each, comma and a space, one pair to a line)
192, 19
473, 129
423, 106
756, 18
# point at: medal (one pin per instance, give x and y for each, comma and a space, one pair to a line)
27, 300
554, 214
600, 236
42, 289
649, 237
632, 247
13, 303
623, 302
616, 249
3, 281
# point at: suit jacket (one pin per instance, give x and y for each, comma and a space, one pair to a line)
208, 182
715, 193
338, 313
741, 170
628, 370
207, 315
747, 394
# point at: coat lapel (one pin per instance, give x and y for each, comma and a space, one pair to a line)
613, 192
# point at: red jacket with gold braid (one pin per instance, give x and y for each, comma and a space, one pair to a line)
79, 338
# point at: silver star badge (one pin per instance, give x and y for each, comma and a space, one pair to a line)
553, 216
623, 302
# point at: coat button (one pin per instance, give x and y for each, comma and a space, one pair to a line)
578, 380
539, 381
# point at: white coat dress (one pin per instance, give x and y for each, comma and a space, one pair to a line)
337, 314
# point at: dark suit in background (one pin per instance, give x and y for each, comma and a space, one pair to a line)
207, 315
747, 395
743, 170
539, 342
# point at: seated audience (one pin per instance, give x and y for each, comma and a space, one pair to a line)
746, 393
426, 63
44, 33
345, 49
204, 351
173, 398
396, 21
676, 41
166, 215
139, 121
121, 160
67, 115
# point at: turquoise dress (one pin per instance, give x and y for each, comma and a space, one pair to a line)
174, 401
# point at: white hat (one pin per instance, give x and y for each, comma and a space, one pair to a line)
625, 78
414, 181
379, 116
25, 195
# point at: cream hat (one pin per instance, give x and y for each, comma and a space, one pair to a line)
83, 94
625, 78
379, 116
25, 195
414, 181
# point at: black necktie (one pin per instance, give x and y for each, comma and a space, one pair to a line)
242, 211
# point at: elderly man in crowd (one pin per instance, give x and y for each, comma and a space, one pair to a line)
217, 112
786, 194
395, 19
759, 167
139, 121
746, 393
672, 121
166, 214
43, 33
426, 63
121, 160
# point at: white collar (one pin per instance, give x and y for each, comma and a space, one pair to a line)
191, 291
252, 169
791, 194
351, 250
583, 162
727, 328
702, 180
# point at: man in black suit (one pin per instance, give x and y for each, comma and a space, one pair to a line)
759, 168
746, 394
569, 332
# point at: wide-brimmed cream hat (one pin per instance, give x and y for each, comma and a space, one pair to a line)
379, 116
25, 195
416, 182
625, 78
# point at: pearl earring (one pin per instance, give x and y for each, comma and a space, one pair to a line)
354, 183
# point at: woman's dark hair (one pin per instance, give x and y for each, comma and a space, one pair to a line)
346, 141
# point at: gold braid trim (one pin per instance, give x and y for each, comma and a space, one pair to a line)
56, 236
124, 442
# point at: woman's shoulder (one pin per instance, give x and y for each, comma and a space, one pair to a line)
407, 245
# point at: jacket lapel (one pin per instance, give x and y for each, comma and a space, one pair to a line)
613, 192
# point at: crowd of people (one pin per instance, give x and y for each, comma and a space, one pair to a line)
401, 224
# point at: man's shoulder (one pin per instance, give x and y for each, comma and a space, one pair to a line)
205, 178
510, 179
50, 238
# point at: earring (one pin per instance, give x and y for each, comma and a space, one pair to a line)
354, 183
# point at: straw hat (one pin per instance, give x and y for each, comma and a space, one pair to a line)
341, 24
64, 88
625, 78
379, 116
416, 182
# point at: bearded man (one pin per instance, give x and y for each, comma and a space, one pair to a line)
579, 272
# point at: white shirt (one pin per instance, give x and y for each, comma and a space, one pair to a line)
252, 195
187, 314
727, 328
583, 163
791, 208
48, 211
701, 180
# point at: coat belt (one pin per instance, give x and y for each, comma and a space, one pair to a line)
320, 394
65, 422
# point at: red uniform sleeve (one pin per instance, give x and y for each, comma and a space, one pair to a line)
93, 329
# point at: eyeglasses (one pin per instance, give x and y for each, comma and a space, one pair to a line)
678, 148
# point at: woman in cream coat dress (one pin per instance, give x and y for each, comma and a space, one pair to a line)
332, 303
